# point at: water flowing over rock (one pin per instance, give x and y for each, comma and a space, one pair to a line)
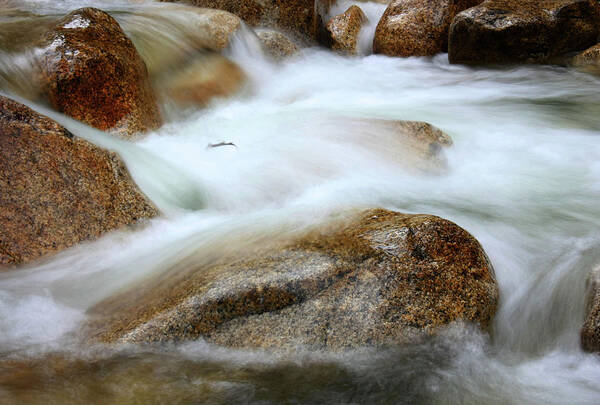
416, 27
532, 31
590, 332
91, 71
166, 36
344, 30
276, 44
380, 278
57, 189
299, 16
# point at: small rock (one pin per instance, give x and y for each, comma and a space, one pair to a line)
530, 31
416, 27
379, 278
57, 189
91, 71
206, 78
344, 30
588, 60
590, 332
277, 45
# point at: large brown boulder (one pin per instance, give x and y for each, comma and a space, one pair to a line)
344, 30
532, 31
590, 332
299, 16
377, 278
91, 71
56, 189
417, 27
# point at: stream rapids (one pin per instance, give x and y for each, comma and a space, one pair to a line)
523, 177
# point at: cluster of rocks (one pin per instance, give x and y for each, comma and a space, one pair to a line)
377, 278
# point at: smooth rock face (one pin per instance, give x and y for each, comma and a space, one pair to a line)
379, 278
57, 190
208, 77
417, 27
276, 44
299, 16
532, 31
590, 332
344, 30
588, 60
91, 71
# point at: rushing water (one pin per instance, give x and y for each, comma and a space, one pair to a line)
523, 176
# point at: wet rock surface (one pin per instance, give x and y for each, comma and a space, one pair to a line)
531, 31
277, 45
378, 278
416, 27
590, 332
91, 71
344, 30
57, 189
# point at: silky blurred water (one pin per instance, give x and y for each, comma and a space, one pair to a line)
523, 176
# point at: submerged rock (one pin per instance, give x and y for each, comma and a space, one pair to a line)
590, 332
56, 189
299, 16
344, 30
206, 78
91, 71
276, 44
380, 278
416, 27
532, 31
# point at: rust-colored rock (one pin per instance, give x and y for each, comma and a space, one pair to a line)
208, 77
374, 279
417, 27
299, 16
57, 189
276, 44
91, 71
344, 30
590, 332
530, 31
588, 60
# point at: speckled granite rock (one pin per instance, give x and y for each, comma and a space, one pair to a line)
590, 332
206, 78
276, 44
92, 72
344, 30
378, 278
299, 16
588, 60
57, 190
532, 31
417, 27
